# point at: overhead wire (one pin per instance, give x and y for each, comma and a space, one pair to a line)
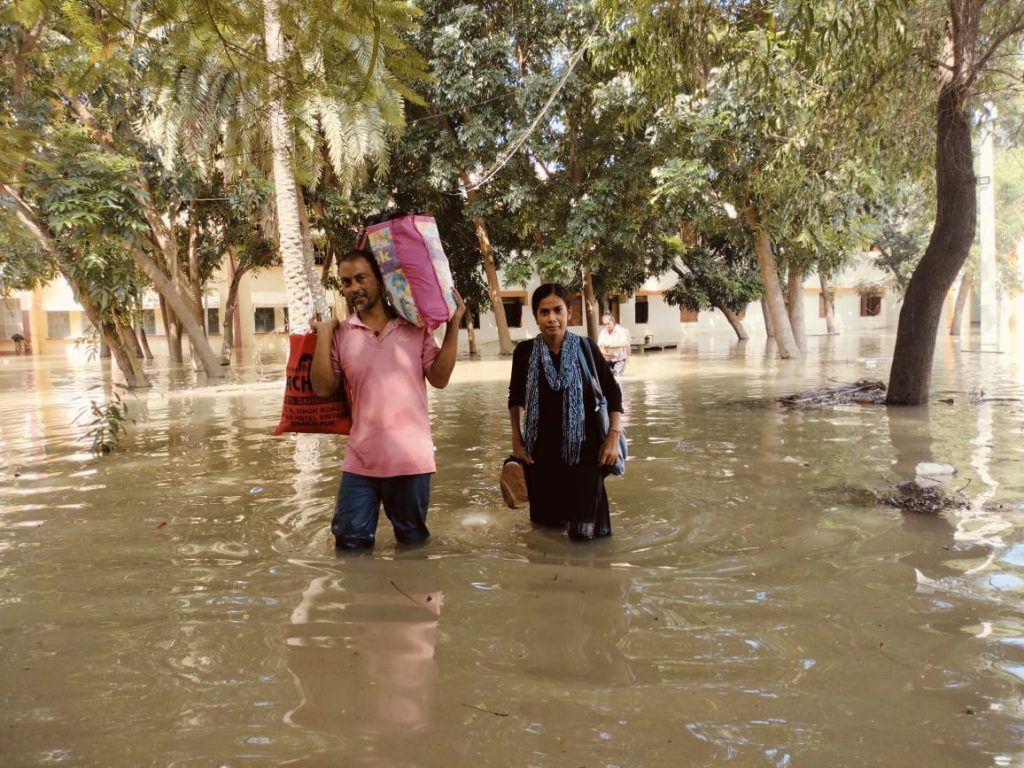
502, 161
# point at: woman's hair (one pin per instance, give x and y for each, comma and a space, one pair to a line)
362, 253
545, 290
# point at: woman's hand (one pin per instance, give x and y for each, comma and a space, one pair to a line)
519, 450
609, 453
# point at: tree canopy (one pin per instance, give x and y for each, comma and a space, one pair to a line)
597, 143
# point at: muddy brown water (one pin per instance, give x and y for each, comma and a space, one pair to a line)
178, 603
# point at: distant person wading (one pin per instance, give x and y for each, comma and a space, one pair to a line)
614, 343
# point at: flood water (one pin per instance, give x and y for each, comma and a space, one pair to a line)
179, 602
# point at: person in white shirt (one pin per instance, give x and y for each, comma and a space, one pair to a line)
613, 341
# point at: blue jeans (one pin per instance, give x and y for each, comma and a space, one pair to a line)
357, 509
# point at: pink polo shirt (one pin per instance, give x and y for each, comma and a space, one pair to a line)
385, 375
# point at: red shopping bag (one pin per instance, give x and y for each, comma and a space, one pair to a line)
303, 411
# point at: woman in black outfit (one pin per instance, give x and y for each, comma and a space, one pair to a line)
555, 430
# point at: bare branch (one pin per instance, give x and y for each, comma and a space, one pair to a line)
28, 42
29, 219
1012, 29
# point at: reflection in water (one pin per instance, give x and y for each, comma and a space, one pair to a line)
910, 433
574, 625
362, 653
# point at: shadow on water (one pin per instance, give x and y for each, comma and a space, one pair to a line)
180, 603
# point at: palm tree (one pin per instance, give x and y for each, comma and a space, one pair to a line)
324, 98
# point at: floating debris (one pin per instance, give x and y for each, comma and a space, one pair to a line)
865, 391
911, 496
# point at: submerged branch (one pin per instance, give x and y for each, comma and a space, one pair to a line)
865, 391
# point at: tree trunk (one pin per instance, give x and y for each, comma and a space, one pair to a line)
795, 307
172, 336
179, 334
112, 339
830, 304
325, 271
131, 341
966, 283
130, 366
301, 283
178, 305
783, 331
227, 342
768, 329
734, 321
955, 220
490, 270
470, 331
195, 284
144, 341
487, 257
590, 304
161, 229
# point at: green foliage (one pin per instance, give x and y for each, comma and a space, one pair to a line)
774, 110
719, 272
1009, 181
870, 288
902, 233
23, 266
106, 422
680, 116
342, 83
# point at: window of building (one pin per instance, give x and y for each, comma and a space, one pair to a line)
10, 318
213, 319
640, 309
870, 306
264, 317
613, 308
148, 321
58, 325
688, 315
513, 311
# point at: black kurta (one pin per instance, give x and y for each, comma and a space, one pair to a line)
561, 492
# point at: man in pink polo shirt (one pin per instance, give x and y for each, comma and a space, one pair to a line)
386, 362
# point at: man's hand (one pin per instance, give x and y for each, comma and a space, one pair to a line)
324, 380
440, 371
460, 309
327, 326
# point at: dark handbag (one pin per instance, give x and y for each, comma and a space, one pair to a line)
603, 419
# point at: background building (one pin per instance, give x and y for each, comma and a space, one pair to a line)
54, 323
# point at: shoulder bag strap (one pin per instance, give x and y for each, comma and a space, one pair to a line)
586, 357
